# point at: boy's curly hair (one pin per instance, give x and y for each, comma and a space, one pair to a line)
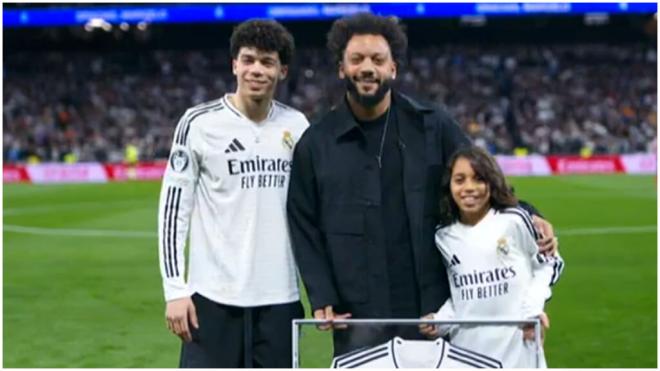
264, 34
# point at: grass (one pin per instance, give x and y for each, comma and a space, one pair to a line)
72, 301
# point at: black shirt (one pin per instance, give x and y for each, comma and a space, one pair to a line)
404, 298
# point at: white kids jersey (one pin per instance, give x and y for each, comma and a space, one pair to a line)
495, 271
227, 178
399, 353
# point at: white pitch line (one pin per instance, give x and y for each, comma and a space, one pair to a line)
147, 234
607, 230
72, 206
78, 232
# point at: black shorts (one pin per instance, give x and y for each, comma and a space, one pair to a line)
237, 337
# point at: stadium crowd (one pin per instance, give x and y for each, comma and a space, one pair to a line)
550, 99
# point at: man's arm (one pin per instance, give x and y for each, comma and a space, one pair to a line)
546, 271
303, 212
175, 206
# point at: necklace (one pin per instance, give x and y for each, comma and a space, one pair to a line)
379, 157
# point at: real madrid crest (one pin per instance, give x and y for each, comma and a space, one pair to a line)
287, 139
179, 160
502, 246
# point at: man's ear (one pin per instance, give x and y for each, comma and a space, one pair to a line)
342, 74
233, 66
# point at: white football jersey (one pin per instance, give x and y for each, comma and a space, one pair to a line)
399, 353
227, 179
495, 271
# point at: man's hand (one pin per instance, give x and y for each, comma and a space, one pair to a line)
548, 243
178, 313
429, 330
528, 330
328, 314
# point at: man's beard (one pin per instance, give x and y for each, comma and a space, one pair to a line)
368, 101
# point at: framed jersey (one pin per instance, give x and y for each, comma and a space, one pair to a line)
400, 353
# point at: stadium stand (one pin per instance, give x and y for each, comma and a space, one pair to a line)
544, 85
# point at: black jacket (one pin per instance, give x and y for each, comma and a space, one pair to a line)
333, 205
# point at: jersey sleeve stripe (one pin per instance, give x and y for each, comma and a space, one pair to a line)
177, 137
169, 231
471, 358
477, 357
168, 226
344, 356
375, 357
360, 355
526, 219
541, 258
554, 274
176, 218
167, 203
558, 267
182, 123
467, 362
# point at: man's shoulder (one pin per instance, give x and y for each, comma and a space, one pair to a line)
419, 104
323, 126
318, 133
327, 119
438, 112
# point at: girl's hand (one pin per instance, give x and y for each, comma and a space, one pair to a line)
528, 330
429, 330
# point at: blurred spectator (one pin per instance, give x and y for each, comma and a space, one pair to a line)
565, 99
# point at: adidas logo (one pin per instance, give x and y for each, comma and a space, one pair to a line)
235, 146
454, 260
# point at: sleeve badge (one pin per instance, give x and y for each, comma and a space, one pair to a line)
179, 161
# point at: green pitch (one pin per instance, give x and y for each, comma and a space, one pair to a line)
75, 296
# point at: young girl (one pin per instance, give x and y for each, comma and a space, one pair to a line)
495, 271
